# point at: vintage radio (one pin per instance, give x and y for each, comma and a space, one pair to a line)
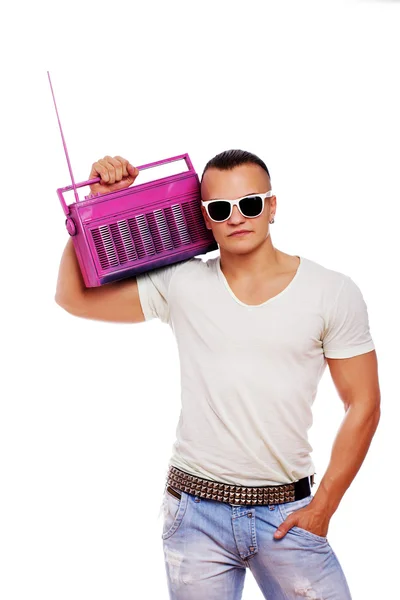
137, 229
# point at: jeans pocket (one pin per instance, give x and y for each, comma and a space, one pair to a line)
287, 508
174, 510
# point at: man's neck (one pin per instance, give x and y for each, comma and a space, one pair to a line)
264, 261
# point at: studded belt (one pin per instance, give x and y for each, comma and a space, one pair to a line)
238, 494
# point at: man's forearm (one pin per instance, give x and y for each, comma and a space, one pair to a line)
348, 452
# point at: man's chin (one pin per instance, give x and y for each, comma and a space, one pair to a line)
239, 248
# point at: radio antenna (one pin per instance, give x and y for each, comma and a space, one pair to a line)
64, 144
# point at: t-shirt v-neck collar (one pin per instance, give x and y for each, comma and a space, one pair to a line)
223, 279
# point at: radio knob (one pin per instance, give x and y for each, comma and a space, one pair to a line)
70, 225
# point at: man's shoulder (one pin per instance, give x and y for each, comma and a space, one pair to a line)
188, 271
196, 265
323, 275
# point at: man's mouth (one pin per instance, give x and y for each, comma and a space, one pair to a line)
240, 232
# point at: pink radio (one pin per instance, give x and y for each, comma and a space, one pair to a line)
137, 229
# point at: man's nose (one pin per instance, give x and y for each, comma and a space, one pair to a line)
236, 216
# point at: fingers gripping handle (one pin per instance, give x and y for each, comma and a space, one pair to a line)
60, 191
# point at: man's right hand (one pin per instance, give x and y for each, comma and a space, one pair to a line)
117, 301
115, 174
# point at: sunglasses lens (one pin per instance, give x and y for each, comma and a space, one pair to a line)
219, 211
251, 206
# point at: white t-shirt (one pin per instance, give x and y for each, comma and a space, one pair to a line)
249, 374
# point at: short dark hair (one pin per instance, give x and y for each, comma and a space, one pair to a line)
230, 159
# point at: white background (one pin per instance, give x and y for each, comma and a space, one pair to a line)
89, 409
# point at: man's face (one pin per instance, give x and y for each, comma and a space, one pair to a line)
238, 182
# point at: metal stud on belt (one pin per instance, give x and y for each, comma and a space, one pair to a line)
233, 494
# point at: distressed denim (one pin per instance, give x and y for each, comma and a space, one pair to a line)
208, 545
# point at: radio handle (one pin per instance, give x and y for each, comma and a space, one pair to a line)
60, 191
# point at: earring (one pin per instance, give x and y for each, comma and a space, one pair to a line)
273, 220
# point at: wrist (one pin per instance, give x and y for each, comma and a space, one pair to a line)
325, 499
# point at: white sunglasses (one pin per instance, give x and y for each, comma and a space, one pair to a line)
220, 210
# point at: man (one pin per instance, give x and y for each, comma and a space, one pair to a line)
255, 329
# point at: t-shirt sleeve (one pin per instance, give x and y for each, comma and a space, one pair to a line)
153, 288
347, 330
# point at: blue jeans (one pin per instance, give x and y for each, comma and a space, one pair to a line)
209, 544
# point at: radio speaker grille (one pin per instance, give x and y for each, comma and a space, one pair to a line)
148, 234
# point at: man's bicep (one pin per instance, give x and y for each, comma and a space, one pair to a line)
117, 302
356, 380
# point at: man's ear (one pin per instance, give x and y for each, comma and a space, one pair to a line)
205, 217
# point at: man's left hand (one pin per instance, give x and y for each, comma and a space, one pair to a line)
309, 518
